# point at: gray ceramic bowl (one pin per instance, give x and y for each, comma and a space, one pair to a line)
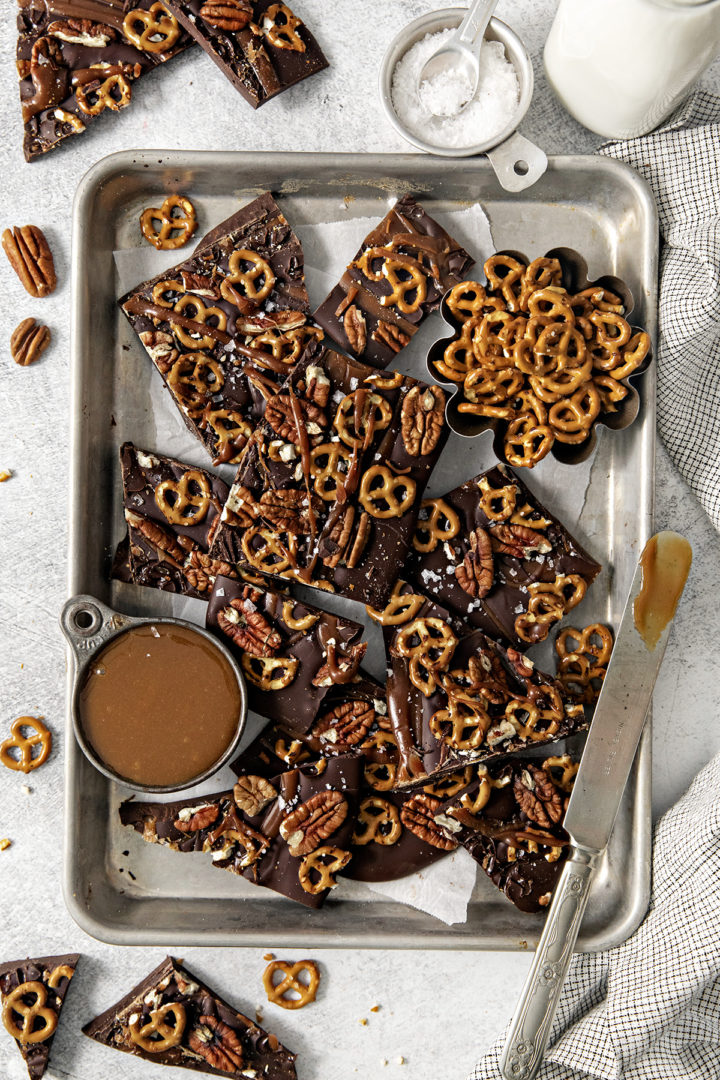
517, 162
89, 627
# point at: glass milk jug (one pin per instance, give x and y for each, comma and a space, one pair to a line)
621, 67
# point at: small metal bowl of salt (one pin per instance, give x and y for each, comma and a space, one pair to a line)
428, 115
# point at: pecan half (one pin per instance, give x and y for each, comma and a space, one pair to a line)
422, 418
418, 815
82, 32
165, 544
318, 385
253, 793
346, 539
355, 329
30, 257
160, 348
475, 572
201, 819
248, 628
314, 821
281, 418
202, 570
518, 541
391, 335
218, 1044
230, 15
200, 285
287, 509
537, 797
28, 342
345, 725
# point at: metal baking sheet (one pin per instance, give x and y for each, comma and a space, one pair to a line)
599, 207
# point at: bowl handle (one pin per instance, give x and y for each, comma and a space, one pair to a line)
517, 162
87, 624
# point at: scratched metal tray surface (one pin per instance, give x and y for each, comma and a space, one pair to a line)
124, 891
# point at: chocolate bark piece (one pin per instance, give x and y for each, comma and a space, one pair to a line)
455, 699
172, 511
291, 653
37, 1008
328, 490
399, 275
173, 1018
78, 59
306, 824
227, 324
510, 820
536, 570
262, 48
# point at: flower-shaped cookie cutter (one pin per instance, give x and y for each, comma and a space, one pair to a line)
574, 279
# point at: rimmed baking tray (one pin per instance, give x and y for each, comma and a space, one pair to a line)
121, 890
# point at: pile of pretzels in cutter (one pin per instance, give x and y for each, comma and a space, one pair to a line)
541, 361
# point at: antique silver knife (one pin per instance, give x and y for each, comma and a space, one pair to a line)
606, 762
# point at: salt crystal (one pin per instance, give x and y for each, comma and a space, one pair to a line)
494, 103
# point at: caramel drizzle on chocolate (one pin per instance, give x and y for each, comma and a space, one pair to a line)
304, 444
327, 633
138, 305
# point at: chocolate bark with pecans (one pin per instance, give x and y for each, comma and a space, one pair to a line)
400, 274
328, 490
262, 48
173, 1018
491, 552
32, 993
291, 833
456, 698
510, 820
77, 59
172, 511
227, 324
292, 654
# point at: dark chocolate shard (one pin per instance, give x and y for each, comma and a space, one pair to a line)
32, 993
400, 274
172, 511
328, 490
292, 654
539, 570
510, 820
80, 59
226, 325
294, 838
456, 699
173, 1018
263, 48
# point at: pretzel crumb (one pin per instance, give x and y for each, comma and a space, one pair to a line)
26, 790
401, 1060
363, 1021
5, 844
5, 475
269, 956
374, 1008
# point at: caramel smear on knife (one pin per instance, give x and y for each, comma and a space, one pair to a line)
665, 562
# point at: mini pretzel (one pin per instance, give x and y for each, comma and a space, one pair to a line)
158, 1035
428, 644
103, 95
192, 307
539, 274
160, 29
490, 393
283, 34
231, 430
259, 270
442, 524
568, 771
449, 784
490, 336
529, 727
572, 418
179, 504
25, 762
288, 345
458, 358
593, 641
63, 971
462, 725
524, 516
325, 862
272, 556
24, 1031
192, 379
175, 228
380, 775
497, 504
400, 608
466, 300
276, 992
378, 822
527, 442
392, 265
612, 331
303, 623
356, 428
553, 302
632, 355
291, 753
581, 668
269, 672
385, 495
166, 293
611, 392
505, 275
329, 464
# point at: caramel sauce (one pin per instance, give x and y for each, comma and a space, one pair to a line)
665, 563
160, 705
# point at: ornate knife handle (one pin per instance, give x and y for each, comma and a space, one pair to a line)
530, 1028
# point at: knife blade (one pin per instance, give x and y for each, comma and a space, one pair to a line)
609, 752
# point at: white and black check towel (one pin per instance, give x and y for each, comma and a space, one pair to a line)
650, 1009
681, 162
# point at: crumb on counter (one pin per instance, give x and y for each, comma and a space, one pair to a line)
5, 844
5, 474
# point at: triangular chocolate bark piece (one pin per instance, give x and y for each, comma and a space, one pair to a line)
172, 1018
32, 994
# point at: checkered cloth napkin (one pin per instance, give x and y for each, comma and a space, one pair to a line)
681, 162
650, 1009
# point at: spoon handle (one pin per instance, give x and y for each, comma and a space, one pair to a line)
475, 22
